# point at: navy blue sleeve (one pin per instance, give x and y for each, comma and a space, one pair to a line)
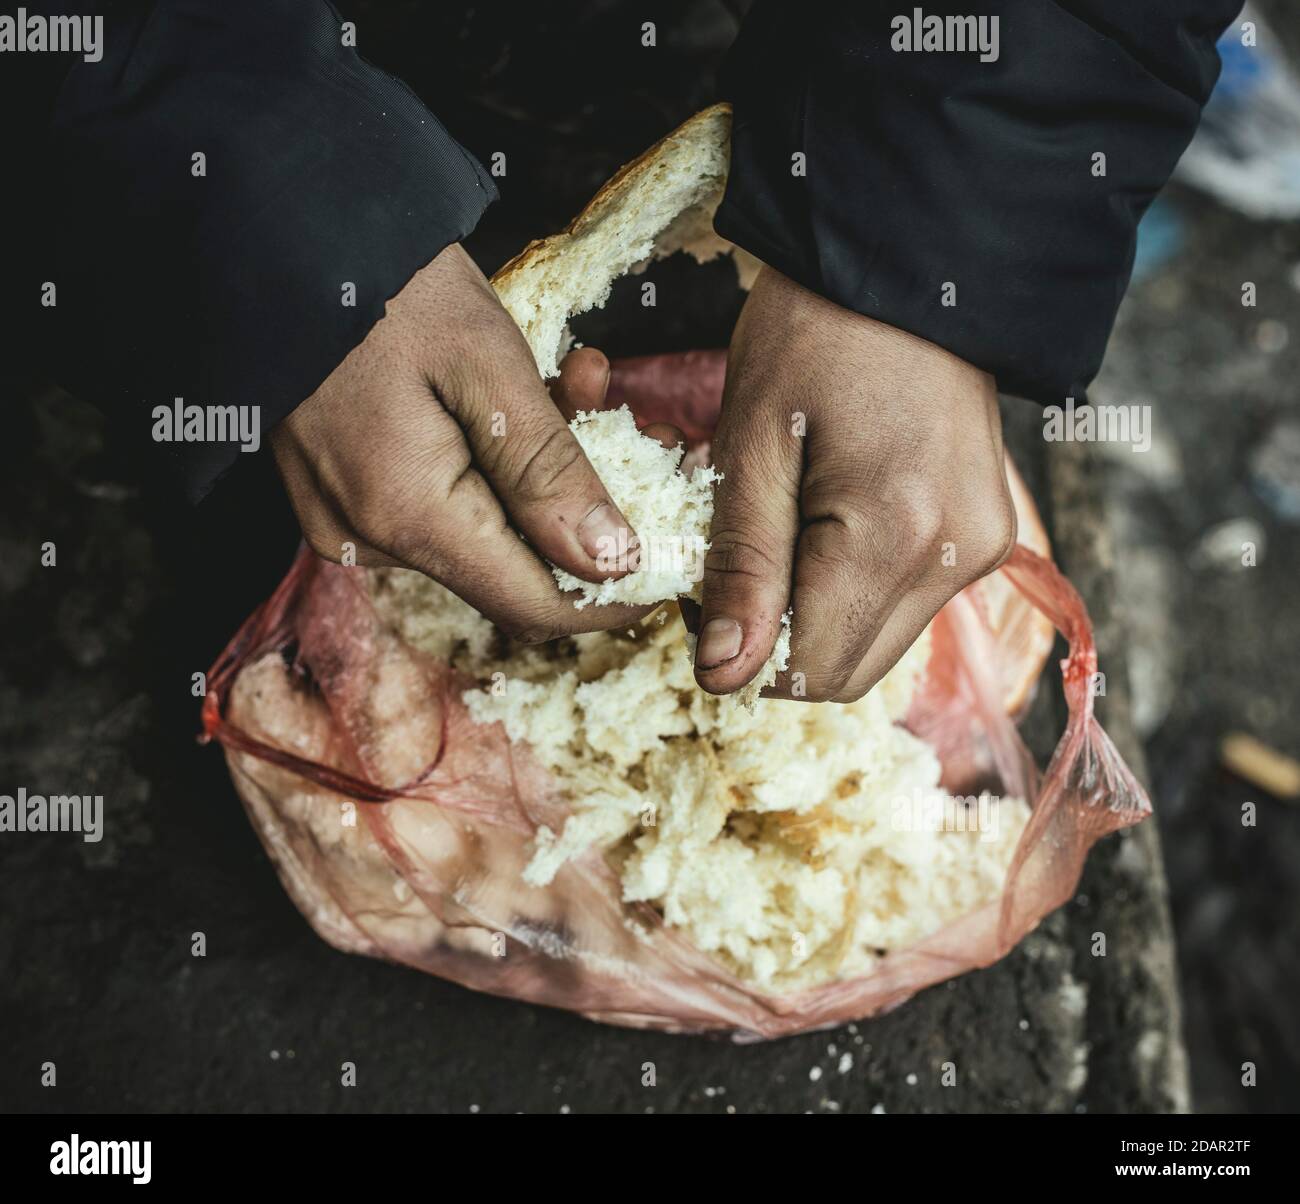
985, 199
212, 190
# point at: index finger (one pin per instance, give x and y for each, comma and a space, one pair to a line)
747, 569
465, 540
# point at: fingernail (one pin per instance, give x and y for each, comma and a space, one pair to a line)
719, 641
602, 532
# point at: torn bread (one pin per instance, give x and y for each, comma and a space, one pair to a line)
655, 206
661, 203
795, 844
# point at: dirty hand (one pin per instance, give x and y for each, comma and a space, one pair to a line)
434, 445
863, 485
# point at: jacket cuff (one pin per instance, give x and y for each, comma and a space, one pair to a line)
990, 207
237, 195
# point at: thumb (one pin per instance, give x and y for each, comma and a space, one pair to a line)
755, 525
522, 445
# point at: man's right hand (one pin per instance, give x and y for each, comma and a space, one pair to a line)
434, 446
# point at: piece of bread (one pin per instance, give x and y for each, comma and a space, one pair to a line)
658, 204
669, 511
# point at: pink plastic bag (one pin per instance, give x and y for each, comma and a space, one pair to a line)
413, 850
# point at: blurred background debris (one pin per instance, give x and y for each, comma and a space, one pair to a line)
1246, 153
1207, 529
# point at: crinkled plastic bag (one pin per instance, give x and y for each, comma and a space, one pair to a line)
401, 828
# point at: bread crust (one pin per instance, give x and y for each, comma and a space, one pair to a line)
610, 194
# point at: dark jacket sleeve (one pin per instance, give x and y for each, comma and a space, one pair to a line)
929, 169
220, 184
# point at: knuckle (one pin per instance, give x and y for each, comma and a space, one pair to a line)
918, 523
408, 543
822, 687
544, 470
734, 554
413, 525
411, 539
384, 490
926, 525
997, 537
835, 545
324, 544
838, 675
828, 678
412, 479
366, 504
531, 627
892, 536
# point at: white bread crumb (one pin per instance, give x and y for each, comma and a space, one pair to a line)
766, 837
669, 511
